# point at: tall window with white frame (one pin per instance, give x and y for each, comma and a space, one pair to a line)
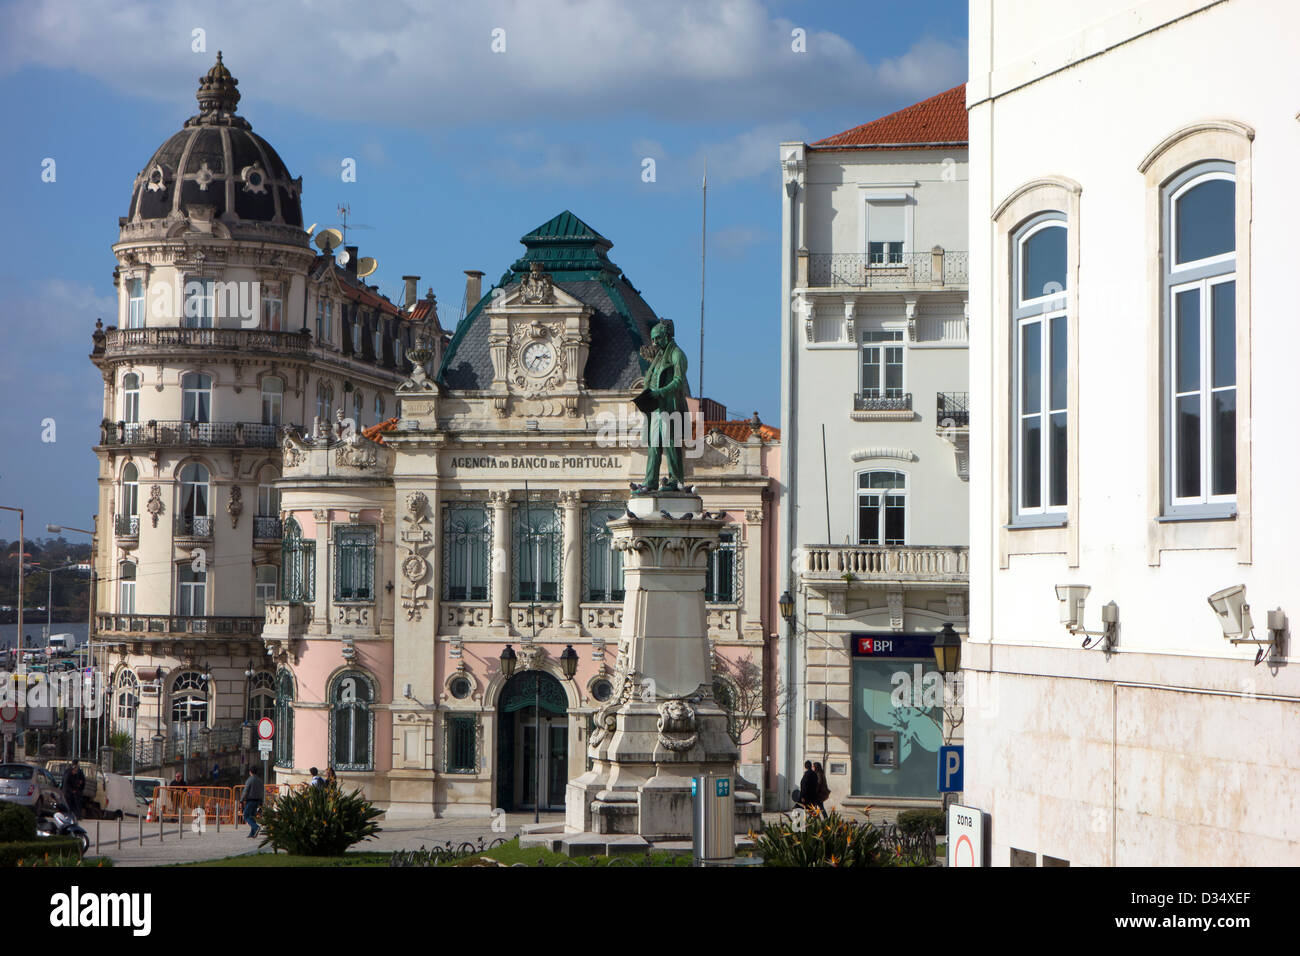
604, 565
1200, 341
128, 699
886, 225
272, 400
882, 365
272, 296
537, 553
297, 565
128, 519
200, 303
352, 721
194, 516
264, 586
882, 507
131, 405
196, 397
135, 304
354, 566
466, 544
1041, 375
191, 590
126, 587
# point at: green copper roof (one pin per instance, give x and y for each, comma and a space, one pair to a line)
565, 244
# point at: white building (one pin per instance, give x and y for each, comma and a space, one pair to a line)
874, 419
1134, 354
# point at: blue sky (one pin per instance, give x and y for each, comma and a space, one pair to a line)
459, 151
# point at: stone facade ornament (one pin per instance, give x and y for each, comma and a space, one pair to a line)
355, 456
155, 507
537, 288
235, 505
677, 725
895, 599
414, 543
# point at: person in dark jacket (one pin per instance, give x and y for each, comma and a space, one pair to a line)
251, 799
808, 786
823, 790
74, 785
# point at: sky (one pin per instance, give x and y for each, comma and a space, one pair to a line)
468, 125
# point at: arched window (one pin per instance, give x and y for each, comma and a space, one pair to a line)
352, 724
200, 303
379, 409
126, 700
284, 719
261, 698
131, 398
604, 565
190, 698
358, 409
272, 400
130, 490
297, 565
196, 397
126, 587
324, 321
1200, 339
324, 402
1041, 373
357, 324
378, 341
135, 304
882, 507
194, 516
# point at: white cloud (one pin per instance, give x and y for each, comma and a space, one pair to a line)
400, 63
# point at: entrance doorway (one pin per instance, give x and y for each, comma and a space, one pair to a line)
533, 709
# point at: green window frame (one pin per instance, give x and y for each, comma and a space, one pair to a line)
297, 565
284, 719
537, 554
603, 565
720, 579
461, 745
467, 548
354, 564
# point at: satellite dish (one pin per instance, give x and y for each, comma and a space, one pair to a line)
311, 228
366, 265
343, 258
327, 240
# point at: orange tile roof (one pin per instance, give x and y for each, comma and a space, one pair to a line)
376, 432
739, 430
935, 123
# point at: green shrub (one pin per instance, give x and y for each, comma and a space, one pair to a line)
318, 821
16, 823
50, 851
828, 840
915, 822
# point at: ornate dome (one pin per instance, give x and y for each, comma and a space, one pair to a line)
217, 160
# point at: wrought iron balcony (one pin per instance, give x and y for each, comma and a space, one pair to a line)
191, 434
881, 403
192, 526
952, 410
267, 528
916, 563
157, 626
126, 526
135, 341
886, 271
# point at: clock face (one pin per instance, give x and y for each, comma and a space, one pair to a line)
538, 358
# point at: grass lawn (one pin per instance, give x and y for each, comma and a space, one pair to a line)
508, 853
359, 858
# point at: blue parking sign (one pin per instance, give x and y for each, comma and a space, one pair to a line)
952, 765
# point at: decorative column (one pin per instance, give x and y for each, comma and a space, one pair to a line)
572, 566
500, 564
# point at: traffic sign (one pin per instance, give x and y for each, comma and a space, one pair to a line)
952, 769
264, 746
966, 831
9, 712
265, 728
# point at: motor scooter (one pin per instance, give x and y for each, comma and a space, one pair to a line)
60, 821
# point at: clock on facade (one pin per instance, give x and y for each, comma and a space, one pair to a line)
538, 358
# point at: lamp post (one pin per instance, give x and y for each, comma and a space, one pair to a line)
785, 604
90, 609
18, 637
947, 657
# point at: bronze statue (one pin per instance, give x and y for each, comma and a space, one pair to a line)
664, 403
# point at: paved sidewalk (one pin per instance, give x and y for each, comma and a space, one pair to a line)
403, 833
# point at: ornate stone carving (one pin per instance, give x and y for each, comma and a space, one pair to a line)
499, 498
718, 441
570, 499
155, 507
895, 599
537, 288
355, 456
235, 505
677, 730
754, 516
415, 542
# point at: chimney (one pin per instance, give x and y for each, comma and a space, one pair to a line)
411, 295
473, 287
352, 260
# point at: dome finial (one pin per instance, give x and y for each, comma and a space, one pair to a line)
217, 92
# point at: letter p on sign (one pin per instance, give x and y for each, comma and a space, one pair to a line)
951, 769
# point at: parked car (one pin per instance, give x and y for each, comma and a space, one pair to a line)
145, 786
119, 799
30, 785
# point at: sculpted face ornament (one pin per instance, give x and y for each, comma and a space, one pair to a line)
677, 729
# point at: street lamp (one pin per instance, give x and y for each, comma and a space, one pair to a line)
569, 662
786, 603
508, 661
947, 650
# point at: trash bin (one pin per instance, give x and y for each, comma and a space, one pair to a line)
713, 818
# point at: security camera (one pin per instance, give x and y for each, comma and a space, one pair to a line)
1072, 597
1232, 611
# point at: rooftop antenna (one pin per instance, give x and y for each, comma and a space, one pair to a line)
704, 219
345, 210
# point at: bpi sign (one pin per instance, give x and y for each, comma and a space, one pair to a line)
967, 837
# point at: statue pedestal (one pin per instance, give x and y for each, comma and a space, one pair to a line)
663, 726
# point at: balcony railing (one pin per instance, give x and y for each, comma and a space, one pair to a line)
885, 563
952, 410
126, 526
192, 526
234, 340
191, 434
897, 271
146, 626
267, 528
881, 403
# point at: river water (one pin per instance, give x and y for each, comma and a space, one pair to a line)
35, 629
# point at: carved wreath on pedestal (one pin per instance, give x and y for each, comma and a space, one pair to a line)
416, 541
155, 507
677, 730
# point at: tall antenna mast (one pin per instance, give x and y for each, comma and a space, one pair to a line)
704, 219
344, 210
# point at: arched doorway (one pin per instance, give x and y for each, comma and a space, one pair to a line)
532, 708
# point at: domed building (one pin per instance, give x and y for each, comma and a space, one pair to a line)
230, 327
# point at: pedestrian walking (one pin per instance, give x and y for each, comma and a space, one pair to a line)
216, 773
331, 778
808, 786
823, 789
316, 779
251, 799
74, 785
